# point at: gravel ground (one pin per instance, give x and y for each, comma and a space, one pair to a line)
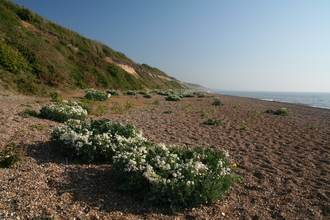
285, 163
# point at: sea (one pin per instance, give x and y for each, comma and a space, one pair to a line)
312, 99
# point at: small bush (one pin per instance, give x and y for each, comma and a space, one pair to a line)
113, 92
96, 95
217, 102
28, 113
201, 95
282, 111
96, 141
173, 98
63, 112
148, 96
156, 102
213, 122
131, 92
11, 154
175, 176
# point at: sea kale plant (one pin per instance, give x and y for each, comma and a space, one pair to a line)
63, 112
113, 92
177, 176
94, 141
96, 95
173, 98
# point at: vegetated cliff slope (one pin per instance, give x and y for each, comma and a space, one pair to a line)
37, 55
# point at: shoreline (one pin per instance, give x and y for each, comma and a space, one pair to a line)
274, 100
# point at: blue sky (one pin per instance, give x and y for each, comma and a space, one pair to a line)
256, 45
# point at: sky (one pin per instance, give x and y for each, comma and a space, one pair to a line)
237, 45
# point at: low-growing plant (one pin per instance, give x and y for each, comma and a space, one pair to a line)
28, 113
129, 105
315, 126
101, 109
113, 92
187, 106
55, 97
208, 111
213, 122
201, 95
96, 141
237, 105
168, 112
256, 112
245, 125
11, 154
26, 105
148, 96
131, 92
177, 176
38, 127
173, 98
96, 95
63, 112
217, 102
281, 111
117, 108
156, 102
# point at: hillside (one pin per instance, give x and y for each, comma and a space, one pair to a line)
37, 55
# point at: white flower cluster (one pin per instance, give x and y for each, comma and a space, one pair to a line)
160, 168
97, 95
64, 112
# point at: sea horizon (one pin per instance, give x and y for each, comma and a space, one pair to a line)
311, 99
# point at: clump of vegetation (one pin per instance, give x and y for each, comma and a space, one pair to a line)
187, 106
131, 92
208, 111
281, 111
11, 154
315, 126
201, 95
213, 122
245, 125
64, 112
28, 113
129, 105
217, 102
117, 108
96, 95
156, 102
176, 176
256, 112
148, 96
55, 97
168, 112
173, 98
113, 92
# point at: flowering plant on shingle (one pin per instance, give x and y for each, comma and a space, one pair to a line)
96, 95
64, 112
113, 92
177, 176
173, 98
94, 141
